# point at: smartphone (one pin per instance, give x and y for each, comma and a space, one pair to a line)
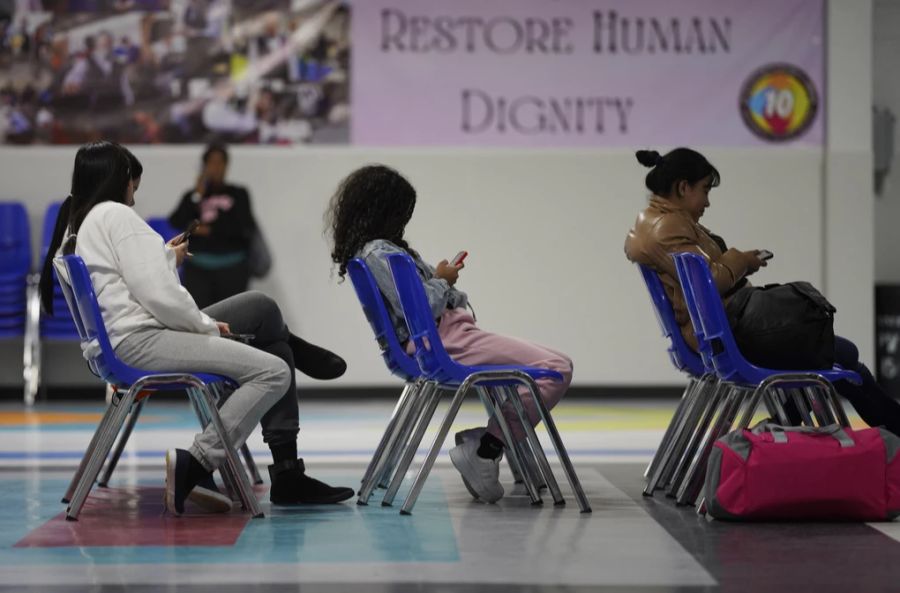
245, 338
186, 235
765, 254
460, 258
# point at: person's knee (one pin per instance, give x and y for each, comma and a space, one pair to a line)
262, 303
846, 353
565, 367
277, 378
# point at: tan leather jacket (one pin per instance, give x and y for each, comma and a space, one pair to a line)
664, 228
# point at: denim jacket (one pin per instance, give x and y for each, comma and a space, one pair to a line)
440, 294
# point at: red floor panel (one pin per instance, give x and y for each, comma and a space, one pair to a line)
135, 517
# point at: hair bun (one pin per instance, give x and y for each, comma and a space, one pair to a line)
648, 158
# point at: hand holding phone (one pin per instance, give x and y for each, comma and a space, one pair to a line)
765, 254
459, 258
186, 235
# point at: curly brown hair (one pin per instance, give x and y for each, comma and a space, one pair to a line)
373, 202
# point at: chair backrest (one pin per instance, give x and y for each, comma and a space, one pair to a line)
710, 321
84, 307
162, 227
15, 240
395, 357
680, 353
430, 353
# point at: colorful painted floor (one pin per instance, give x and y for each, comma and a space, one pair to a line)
124, 542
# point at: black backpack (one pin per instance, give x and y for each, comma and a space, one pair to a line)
783, 326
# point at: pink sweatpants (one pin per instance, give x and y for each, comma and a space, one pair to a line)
469, 345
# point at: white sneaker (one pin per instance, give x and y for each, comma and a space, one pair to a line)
482, 475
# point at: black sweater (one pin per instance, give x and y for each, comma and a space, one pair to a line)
226, 209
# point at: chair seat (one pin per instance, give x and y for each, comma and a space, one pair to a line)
460, 374
835, 374
207, 378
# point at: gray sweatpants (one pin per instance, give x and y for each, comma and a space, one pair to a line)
263, 378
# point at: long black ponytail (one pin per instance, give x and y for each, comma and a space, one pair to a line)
101, 174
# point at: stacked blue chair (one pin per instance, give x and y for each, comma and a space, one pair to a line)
415, 391
15, 268
41, 326
696, 396
494, 381
132, 387
405, 423
744, 384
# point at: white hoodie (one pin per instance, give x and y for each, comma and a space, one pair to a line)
134, 275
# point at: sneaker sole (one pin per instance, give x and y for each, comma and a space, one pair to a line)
330, 500
459, 441
210, 500
461, 463
169, 494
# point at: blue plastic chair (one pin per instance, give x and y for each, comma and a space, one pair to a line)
743, 382
702, 380
438, 366
400, 364
132, 386
15, 267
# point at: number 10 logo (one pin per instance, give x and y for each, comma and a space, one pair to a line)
778, 102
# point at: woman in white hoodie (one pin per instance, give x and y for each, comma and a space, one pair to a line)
154, 324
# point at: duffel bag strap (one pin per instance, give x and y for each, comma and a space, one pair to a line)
779, 435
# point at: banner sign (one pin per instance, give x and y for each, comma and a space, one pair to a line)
587, 73
493, 73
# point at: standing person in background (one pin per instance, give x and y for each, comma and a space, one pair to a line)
220, 245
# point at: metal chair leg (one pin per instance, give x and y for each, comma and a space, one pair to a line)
31, 363
496, 401
693, 483
251, 465
412, 446
672, 430
388, 439
703, 400
405, 431
91, 448
678, 439
120, 444
419, 482
408, 415
95, 462
232, 463
556, 439
683, 463
490, 398
534, 443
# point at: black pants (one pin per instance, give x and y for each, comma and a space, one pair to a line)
871, 402
255, 313
211, 286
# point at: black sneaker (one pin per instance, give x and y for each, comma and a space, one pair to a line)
315, 361
186, 477
291, 485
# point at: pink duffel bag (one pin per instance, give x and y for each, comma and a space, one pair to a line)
781, 473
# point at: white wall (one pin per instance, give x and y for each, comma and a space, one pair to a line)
886, 93
544, 230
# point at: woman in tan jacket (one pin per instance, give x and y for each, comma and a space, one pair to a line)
680, 183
